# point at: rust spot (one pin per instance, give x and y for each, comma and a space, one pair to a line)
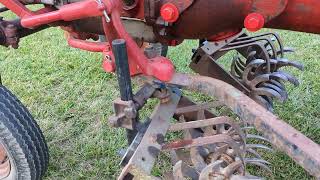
177, 144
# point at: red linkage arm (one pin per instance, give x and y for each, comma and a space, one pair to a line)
159, 67
16, 7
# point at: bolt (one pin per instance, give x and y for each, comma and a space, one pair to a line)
169, 12
254, 22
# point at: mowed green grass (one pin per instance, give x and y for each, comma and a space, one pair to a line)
71, 97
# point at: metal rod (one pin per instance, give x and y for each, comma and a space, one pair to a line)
122, 69
123, 73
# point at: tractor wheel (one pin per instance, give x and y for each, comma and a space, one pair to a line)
23, 150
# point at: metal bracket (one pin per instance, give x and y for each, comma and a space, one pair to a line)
142, 161
125, 112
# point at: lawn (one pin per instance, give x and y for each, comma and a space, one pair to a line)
71, 97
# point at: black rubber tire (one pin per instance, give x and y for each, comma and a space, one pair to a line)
22, 138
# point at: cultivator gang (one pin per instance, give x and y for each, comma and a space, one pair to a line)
217, 136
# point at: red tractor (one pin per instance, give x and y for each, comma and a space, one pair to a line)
133, 37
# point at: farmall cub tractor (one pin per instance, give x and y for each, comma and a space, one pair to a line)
133, 36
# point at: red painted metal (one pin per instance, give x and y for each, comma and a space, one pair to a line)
254, 22
16, 7
88, 45
189, 19
108, 63
212, 21
299, 15
224, 35
74, 11
169, 12
159, 67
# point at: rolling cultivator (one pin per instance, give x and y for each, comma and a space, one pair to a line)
220, 134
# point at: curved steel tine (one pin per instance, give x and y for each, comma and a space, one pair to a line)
248, 128
278, 84
182, 170
231, 168
204, 175
238, 70
262, 91
286, 50
234, 71
259, 146
255, 153
278, 39
285, 62
249, 160
241, 61
273, 53
256, 63
265, 167
269, 84
268, 45
278, 76
251, 56
253, 64
197, 159
259, 79
254, 136
275, 37
269, 101
265, 102
240, 64
286, 76
179, 154
283, 93
273, 64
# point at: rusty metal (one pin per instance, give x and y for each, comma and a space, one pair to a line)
8, 34
296, 145
142, 161
207, 66
201, 141
202, 163
11, 32
255, 70
125, 112
219, 152
200, 123
185, 103
222, 137
142, 96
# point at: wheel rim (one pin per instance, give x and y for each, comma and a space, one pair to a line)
5, 165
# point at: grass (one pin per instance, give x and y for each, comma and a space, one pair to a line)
71, 97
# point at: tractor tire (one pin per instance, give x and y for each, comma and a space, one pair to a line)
23, 150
